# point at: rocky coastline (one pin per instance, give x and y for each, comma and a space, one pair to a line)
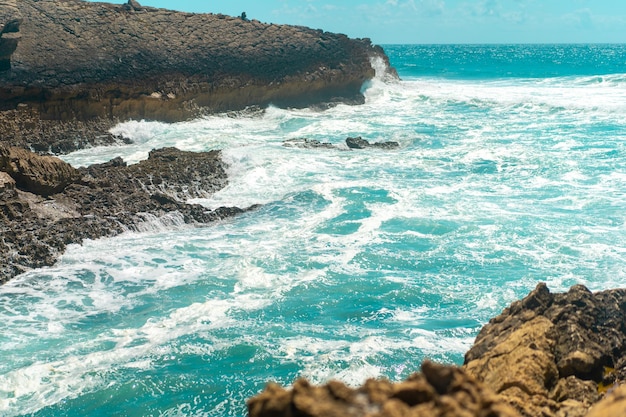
46, 204
549, 355
80, 67
70, 70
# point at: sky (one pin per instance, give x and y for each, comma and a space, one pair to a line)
434, 21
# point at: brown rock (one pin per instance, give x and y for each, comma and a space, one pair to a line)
42, 175
438, 391
614, 404
547, 353
522, 359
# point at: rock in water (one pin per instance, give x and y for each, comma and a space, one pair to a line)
45, 204
549, 355
360, 143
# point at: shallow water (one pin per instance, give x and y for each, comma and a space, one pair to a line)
510, 171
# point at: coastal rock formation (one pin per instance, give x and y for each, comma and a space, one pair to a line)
437, 391
549, 355
360, 143
352, 143
45, 204
73, 60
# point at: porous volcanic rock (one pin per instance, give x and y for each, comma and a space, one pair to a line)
437, 391
58, 205
548, 355
552, 354
73, 60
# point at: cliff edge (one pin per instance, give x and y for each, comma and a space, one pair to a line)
75, 60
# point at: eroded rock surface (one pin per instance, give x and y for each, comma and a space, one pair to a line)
548, 355
73, 60
437, 391
45, 204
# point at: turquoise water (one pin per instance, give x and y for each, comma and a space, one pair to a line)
511, 170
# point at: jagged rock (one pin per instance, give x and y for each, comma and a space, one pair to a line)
24, 127
547, 353
42, 175
438, 391
360, 143
102, 200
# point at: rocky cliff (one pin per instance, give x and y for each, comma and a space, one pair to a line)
548, 355
74, 60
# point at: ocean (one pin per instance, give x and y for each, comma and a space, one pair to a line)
359, 264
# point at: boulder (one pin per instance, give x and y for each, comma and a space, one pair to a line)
548, 354
42, 175
360, 143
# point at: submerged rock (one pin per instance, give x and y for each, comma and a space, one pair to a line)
360, 143
437, 391
305, 143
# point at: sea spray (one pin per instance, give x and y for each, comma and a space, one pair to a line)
358, 263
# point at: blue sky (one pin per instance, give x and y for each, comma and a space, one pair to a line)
435, 21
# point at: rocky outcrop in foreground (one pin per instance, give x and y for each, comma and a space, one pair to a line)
73, 60
45, 204
561, 355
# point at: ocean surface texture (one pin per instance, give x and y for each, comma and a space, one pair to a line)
511, 170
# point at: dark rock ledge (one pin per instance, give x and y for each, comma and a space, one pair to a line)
70, 70
88, 65
548, 355
46, 204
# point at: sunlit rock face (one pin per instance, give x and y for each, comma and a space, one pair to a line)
74, 60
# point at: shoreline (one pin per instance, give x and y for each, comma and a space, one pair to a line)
101, 64
547, 354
